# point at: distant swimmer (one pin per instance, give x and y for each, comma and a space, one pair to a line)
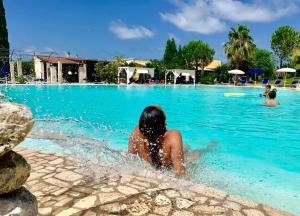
271, 99
267, 90
151, 141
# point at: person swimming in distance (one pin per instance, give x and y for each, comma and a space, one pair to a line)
271, 99
267, 90
151, 141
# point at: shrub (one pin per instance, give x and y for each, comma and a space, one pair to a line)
21, 79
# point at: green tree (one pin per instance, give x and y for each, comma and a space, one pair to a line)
221, 73
21, 79
179, 60
4, 44
28, 68
296, 58
120, 61
264, 59
197, 54
99, 71
240, 45
284, 42
132, 64
170, 53
159, 69
108, 72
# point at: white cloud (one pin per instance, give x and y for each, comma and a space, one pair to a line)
124, 32
210, 16
195, 17
238, 11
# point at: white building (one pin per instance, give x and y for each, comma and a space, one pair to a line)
53, 69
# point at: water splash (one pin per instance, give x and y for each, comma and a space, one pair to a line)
94, 157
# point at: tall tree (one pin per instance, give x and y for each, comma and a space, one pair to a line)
159, 69
108, 72
4, 45
197, 54
240, 45
170, 53
28, 67
264, 59
284, 42
179, 60
296, 59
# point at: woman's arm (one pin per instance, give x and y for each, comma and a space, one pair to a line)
177, 155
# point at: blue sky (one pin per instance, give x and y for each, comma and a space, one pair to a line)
139, 28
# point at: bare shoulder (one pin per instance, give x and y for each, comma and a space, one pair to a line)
135, 131
173, 133
173, 137
271, 103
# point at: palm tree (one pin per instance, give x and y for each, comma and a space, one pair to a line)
240, 45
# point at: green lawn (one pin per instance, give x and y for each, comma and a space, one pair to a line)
288, 81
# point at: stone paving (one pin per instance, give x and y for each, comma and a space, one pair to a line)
62, 191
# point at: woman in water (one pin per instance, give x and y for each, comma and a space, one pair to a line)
152, 142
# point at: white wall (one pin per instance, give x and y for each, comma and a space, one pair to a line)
38, 68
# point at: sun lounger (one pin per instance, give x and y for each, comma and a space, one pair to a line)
277, 83
265, 81
243, 80
294, 83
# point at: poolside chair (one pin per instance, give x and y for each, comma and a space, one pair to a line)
294, 84
277, 83
265, 81
244, 80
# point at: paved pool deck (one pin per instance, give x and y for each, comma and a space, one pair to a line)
62, 191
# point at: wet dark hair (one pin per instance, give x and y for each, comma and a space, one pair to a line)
268, 86
152, 125
272, 94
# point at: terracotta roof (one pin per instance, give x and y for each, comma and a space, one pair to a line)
63, 60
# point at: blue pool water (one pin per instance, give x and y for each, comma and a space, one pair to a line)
258, 148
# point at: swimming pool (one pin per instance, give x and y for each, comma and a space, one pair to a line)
257, 154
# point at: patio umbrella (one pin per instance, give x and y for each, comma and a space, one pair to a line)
236, 72
285, 71
255, 71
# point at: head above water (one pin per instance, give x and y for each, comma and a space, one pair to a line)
268, 87
152, 123
272, 94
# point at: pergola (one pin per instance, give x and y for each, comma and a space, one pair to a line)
180, 72
130, 71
